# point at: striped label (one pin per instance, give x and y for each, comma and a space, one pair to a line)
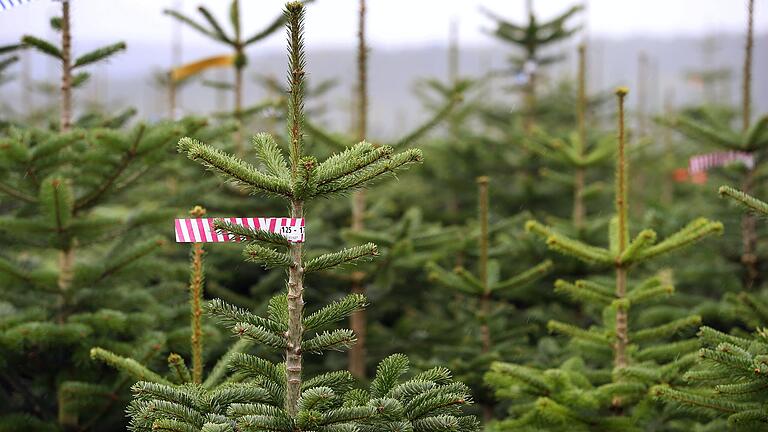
704, 162
7, 4
202, 231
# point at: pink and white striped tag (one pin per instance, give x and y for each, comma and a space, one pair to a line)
201, 230
704, 162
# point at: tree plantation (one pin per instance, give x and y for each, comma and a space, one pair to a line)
531, 253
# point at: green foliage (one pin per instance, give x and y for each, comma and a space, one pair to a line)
73, 267
93, 299
99, 54
728, 381
262, 395
75, 271
747, 201
534, 35
625, 351
42, 45
214, 30
328, 402
7, 60
728, 378
709, 129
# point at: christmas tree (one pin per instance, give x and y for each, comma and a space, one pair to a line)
277, 396
497, 335
74, 257
532, 37
579, 153
360, 280
713, 128
238, 43
7, 59
634, 342
729, 378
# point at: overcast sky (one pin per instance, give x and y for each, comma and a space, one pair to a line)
392, 23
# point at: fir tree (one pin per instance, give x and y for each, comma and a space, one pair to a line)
359, 279
634, 345
484, 288
73, 262
713, 129
729, 378
63, 189
268, 396
532, 37
578, 152
515, 123
178, 374
405, 244
238, 43
7, 59
460, 143
70, 77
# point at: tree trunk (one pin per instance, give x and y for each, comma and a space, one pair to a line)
358, 322
293, 358
620, 359
171, 99
196, 298
622, 331
748, 222
239, 147
66, 255
579, 212
65, 117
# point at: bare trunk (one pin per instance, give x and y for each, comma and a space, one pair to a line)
746, 97
239, 148
487, 413
639, 179
66, 276
66, 255
642, 93
26, 82
295, 297
749, 238
485, 330
579, 212
485, 300
530, 104
293, 353
176, 59
482, 186
171, 99
453, 53
358, 322
667, 190
196, 297
530, 88
65, 119
748, 222
621, 342
622, 332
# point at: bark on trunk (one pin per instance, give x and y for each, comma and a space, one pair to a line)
65, 119
293, 354
196, 297
358, 322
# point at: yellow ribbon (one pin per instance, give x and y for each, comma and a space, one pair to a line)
189, 69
